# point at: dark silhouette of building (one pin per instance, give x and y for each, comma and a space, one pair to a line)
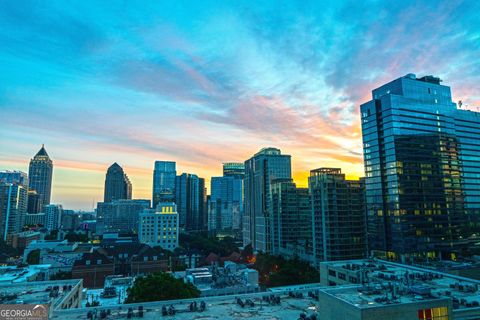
191, 202
265, 166
117, 184
40, 178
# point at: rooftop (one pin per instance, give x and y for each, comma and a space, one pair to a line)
39, 292
386, 283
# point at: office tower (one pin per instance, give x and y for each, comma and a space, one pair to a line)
40, 177
53, 216
290, 212
35, 219
338, 216
33, 202
160, 226
13, 202
266, 165
422, 159
70, 220
190, 197
235, 169
164, 175
121, 215
226, 200
117, 184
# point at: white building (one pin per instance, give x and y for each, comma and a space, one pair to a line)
160, 227
53, 216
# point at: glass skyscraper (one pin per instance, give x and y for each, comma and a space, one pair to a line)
265, 166
422, 167
40, 177
164, 176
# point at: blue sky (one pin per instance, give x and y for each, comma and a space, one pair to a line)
206, 82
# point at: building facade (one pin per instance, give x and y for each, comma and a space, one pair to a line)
225, 209
234, 169
53, 216
160, 226
13, 202
191, 202
164, 175
422, 167
40, 174
265, 166
117, 184
291, 232
121, 215
337, 216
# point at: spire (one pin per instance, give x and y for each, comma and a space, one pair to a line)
42, 152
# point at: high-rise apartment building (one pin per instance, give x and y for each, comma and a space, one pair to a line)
338, 216
160, 226
290, 212
191, 199
40, 177
164, 175
422, 167
13, 202
121, 215
53, 216
117, 184
265, 166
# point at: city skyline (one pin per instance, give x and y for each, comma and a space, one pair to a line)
160, 82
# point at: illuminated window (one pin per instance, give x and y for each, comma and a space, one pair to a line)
439, 313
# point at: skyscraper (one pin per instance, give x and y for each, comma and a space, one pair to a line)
226, 204
191, 202
40, 177
13, 202
290, 212
235, 169
338, 216
117, 184
265, 166
164, 175
422, 164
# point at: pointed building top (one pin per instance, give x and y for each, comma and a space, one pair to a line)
42, 152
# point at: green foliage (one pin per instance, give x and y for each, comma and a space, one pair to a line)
8, 250
76, 237
52, 235
33, 257
160, 286
205, 245
61, 275
276, 271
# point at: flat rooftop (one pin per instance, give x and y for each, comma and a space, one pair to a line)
37, 292
392, 283
219, 307
12, 274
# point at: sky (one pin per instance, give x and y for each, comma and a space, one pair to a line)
206, 82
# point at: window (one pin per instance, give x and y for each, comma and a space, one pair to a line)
439, 313
332, 273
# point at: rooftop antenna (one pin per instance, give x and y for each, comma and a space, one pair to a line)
460, 103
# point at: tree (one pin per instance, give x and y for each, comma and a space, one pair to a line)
275, 271
76, 237
33, 257
61, 275
52, 235
158, 287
